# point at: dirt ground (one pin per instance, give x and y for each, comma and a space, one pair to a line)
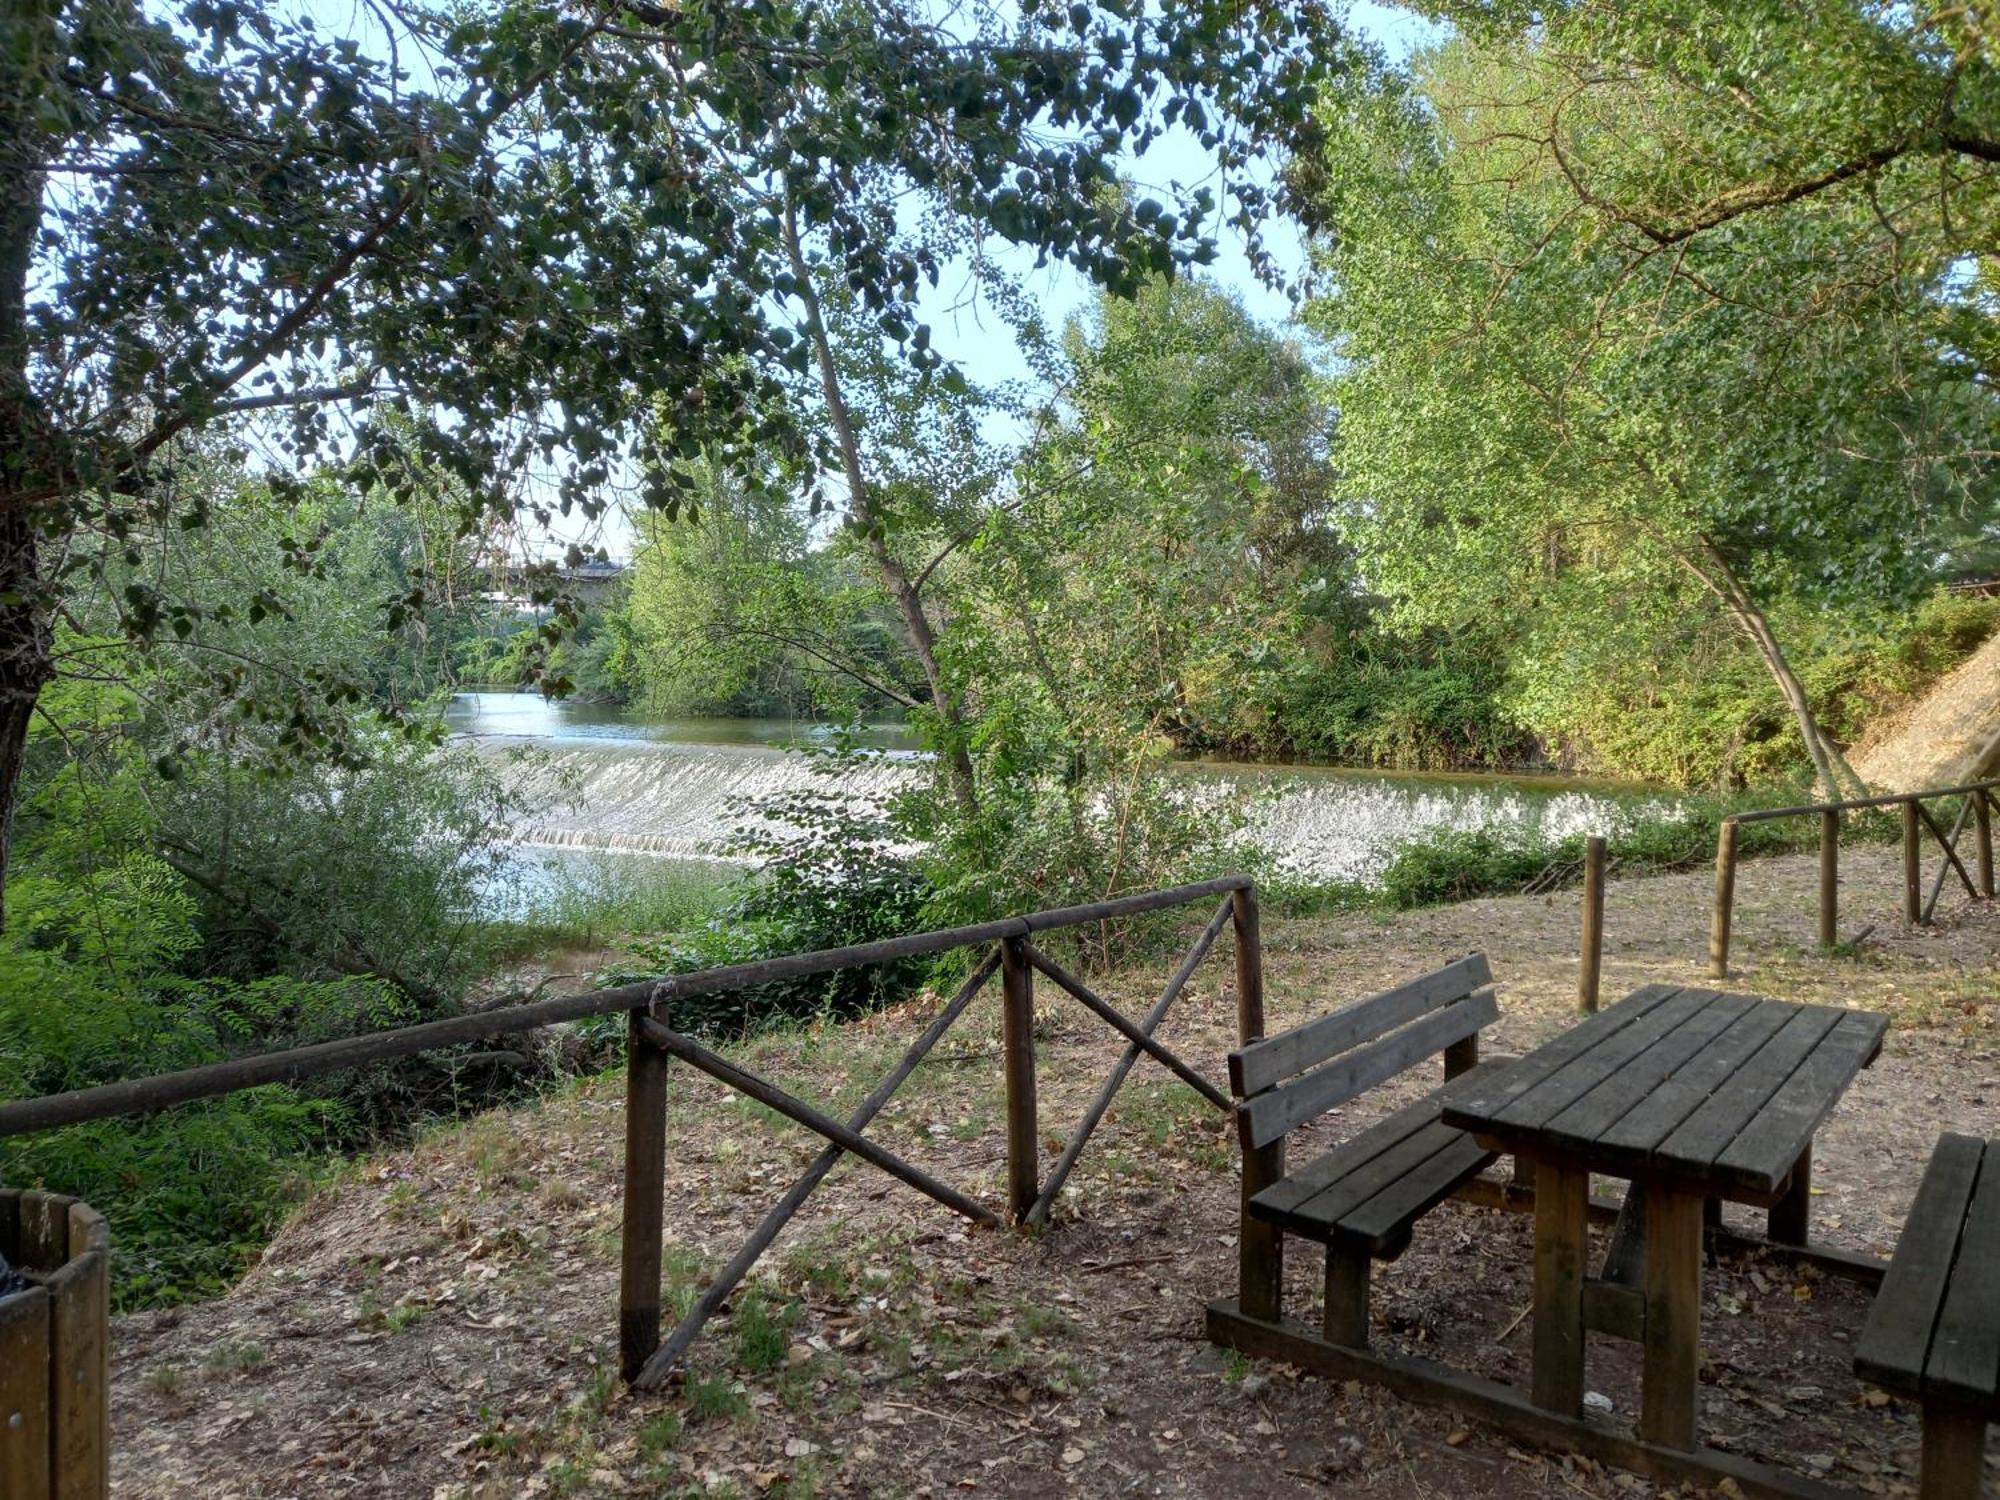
441, 1322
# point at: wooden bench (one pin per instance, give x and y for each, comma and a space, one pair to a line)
1934, 1330
1362, 1198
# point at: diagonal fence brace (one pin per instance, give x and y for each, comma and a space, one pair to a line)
1092, 1117
660, 1363
773, 1097
1950, 847
1138, 1036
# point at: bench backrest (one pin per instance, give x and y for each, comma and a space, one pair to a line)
1293, 1078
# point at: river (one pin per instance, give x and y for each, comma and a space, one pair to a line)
607, 779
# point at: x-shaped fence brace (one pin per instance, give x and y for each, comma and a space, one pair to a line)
848, 1138
1949, 844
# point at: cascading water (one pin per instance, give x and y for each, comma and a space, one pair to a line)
673, 799
601, 780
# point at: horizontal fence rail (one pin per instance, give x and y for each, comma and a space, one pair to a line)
652, 1043
1977, 804
161, 1090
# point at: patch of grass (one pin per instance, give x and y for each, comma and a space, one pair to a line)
659, 1434
761, 1338
711, 1398
404, 1315
165, 1380
234, 1359
1040, 1320
584, 900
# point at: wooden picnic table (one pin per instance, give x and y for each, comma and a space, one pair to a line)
1694, 1096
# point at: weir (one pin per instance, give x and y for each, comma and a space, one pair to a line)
597, 780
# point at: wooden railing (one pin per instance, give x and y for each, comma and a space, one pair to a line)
1977, 804
651, 1042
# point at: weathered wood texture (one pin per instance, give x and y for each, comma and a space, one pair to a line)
1361, 1198
1982, 824
1265, 1117
815, 1120
1255, 1068
660, 1363
1716, 1091
1138, 1035
1094, 1115
1507, 1410
644, 1211
1017, 1067
1933, 1332
1913, 867
1590, 956
1829, 878
1670, 1392
55, 1434
1725, 899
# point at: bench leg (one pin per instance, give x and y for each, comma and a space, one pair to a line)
1954, 1453
1787, 1223
1669, 1397
1346, 1316
1260, 1246
1562, 1218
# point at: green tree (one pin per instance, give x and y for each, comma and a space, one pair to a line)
561, 247
1543, 423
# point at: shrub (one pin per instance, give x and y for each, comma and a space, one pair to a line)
833, 874
89, 995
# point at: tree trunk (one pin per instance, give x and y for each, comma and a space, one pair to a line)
26, 643
923, 639
1713, 569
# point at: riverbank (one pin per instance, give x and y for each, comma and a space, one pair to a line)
439, 1322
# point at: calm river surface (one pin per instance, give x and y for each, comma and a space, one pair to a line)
610, 780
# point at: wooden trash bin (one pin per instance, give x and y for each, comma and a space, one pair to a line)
55, 1346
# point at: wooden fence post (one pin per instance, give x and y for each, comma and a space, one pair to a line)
1725, 899
1829, 878
1913, 862
1982, 827
1017, 1044
645, 1198
1260, 1247
1592, 953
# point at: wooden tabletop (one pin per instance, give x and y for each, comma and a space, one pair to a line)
1717, 1091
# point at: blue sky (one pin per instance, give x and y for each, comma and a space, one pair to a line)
988, 351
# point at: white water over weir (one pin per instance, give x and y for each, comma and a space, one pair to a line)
670, 799
600, 779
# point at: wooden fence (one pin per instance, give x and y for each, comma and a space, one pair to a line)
1976, 804
651, 1043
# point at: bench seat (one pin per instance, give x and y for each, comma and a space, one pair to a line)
1367, 1192
1933, 1332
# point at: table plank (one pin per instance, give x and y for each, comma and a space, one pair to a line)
1579, 1126
1964, 1361
1606, 1060
1627, 1144
1475, 1109
1698, 1140
1765, 1148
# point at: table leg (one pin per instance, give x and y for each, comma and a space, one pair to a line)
1562, 1205
1787, 1222
1673, 1318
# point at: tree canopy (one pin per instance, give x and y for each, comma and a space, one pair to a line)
544, 253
